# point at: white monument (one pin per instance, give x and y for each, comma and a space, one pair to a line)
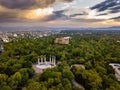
44, 64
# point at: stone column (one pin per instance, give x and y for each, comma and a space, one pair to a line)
50, 59
38, 61
45, 60
41, 60
54, 60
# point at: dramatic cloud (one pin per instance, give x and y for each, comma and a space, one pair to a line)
27, 9
65, 0
36, 14
17, 3
54, 12
25, 4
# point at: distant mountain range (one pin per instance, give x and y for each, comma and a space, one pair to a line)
55, 28
23, 28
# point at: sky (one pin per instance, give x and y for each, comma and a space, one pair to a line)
54, 13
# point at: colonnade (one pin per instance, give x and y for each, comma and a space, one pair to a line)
43, 61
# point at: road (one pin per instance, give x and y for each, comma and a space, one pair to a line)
75, 84
116, 67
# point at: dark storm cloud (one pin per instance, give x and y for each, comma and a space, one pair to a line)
117, 18
11, 10
57, 15
25, 4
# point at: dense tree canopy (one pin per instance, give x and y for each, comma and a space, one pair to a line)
93, 51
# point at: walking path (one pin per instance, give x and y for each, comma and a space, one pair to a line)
116, 67
37, 70
75, 84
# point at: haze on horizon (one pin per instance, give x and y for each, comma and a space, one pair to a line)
54, 13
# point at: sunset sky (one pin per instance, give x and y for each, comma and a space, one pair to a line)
54, 13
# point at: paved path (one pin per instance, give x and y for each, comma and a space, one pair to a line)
75, 84
116, 67
37, 70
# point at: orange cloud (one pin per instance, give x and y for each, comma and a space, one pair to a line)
35, 14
